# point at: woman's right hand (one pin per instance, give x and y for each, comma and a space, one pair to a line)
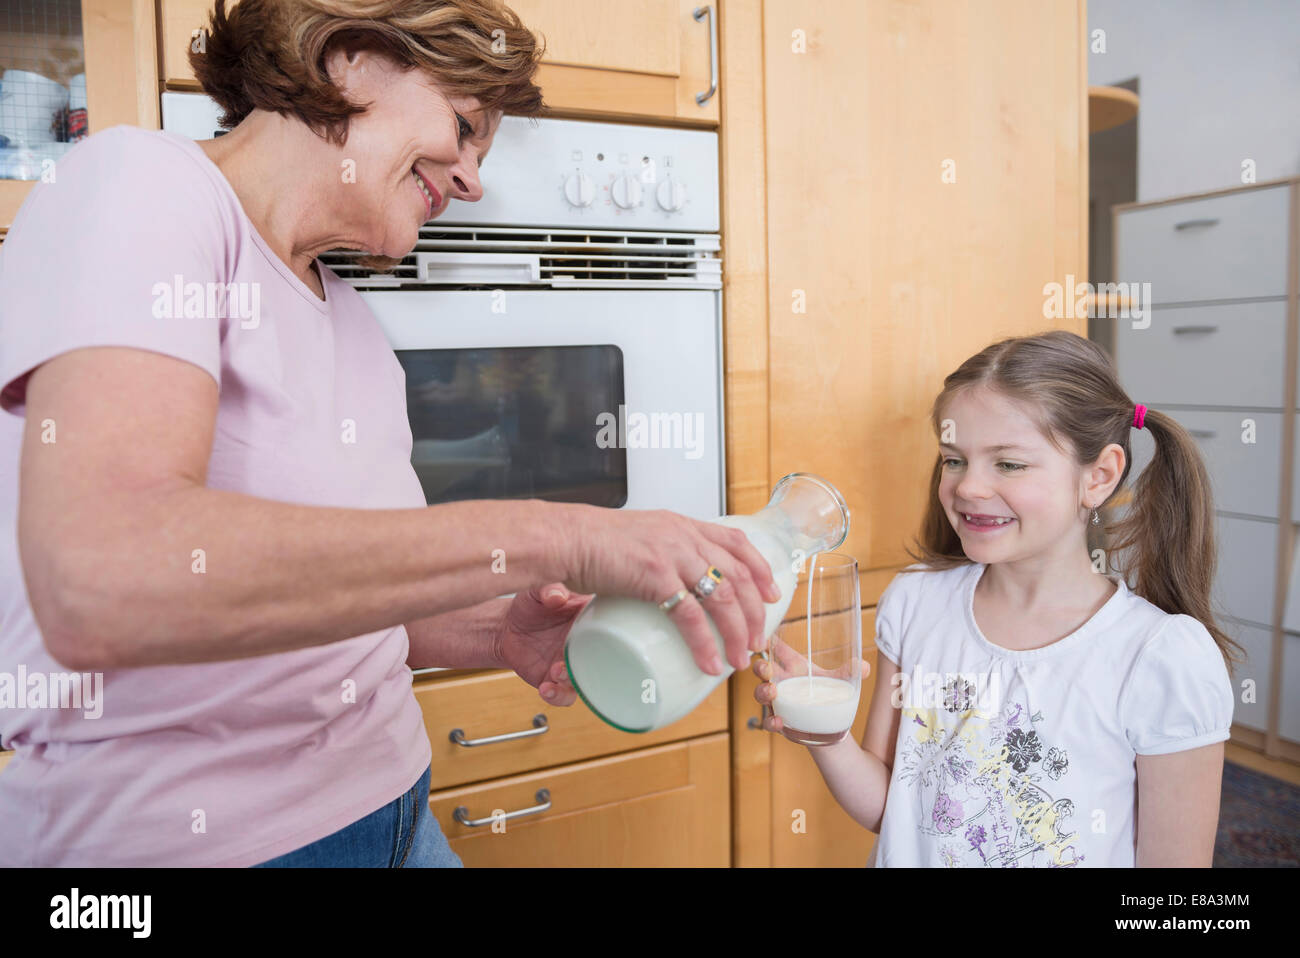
651, 554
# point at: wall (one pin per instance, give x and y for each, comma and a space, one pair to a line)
1220, 82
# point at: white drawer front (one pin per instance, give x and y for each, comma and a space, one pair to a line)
1244, 475
1225, 247
1228, 355
1258, 646
1243, 583
1289, 720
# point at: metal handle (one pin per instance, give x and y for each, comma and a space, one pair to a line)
461, 814
757, 723
699, 14
539, 727
1202, 433
1195, 329
1188, 224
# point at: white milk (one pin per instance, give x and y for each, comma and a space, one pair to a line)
632, 666
821, 705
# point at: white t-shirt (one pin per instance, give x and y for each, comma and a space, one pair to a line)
1022, 759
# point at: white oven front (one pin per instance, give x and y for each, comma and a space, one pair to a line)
606, 396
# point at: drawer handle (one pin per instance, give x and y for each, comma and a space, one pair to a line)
1202, 433
1178, 330
1205, 221
699, 14
539, 727
461, 814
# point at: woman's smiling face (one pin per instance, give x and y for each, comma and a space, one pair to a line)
412, 152
1030, 482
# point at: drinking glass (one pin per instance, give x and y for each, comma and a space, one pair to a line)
816, 654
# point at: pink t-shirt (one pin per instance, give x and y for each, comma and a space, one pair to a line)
227, 763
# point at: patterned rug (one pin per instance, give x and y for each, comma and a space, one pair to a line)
1259, 821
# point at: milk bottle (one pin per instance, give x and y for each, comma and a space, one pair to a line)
628, 661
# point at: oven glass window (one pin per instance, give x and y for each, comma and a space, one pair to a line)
516, 423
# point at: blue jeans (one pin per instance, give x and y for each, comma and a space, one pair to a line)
402, 834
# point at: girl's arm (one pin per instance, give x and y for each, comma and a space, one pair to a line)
858, 775
1178, 807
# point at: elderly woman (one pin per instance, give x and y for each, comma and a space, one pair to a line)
213, 496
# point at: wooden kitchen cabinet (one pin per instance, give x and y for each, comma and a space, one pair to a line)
655, 807
111, 41
634, 58
495, 703
894, 199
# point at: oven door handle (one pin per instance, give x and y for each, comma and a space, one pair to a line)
488, 268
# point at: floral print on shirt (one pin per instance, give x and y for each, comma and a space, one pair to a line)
988, 784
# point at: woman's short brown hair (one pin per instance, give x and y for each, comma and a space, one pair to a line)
271, 55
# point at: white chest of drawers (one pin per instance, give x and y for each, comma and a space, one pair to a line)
1217, 351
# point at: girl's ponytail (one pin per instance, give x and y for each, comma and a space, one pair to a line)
1165, 538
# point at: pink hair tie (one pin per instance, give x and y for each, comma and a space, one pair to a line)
1139, 415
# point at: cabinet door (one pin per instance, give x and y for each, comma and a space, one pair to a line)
658, 807
52, 46
645, 58
637, 57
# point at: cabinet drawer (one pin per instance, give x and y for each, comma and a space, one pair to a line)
1228, 355
1258, 645
1244, 580
498, 703
1289, 716
1245, 475
1224, 247
657, 807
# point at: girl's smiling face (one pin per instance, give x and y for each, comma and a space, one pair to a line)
996, 463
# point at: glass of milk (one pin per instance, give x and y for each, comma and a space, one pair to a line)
816, 655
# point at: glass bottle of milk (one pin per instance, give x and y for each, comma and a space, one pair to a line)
631, 665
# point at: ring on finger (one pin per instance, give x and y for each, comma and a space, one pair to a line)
708, 582
670, 603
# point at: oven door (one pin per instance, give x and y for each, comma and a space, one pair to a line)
610, 397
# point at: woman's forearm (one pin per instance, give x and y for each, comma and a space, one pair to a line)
194, 574
858, 780
459, 639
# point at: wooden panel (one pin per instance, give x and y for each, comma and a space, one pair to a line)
496, 703
744, 310
615, 58
663, 806
640, 36
903, 275
5, 758
830, 838
178, 19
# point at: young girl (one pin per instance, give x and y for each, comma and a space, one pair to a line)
1030, 709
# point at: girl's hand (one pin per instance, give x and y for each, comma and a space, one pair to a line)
651, 554
791, 663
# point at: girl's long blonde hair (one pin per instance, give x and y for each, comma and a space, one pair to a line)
1164, 545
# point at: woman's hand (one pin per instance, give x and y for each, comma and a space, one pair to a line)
651, 554
531, 640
